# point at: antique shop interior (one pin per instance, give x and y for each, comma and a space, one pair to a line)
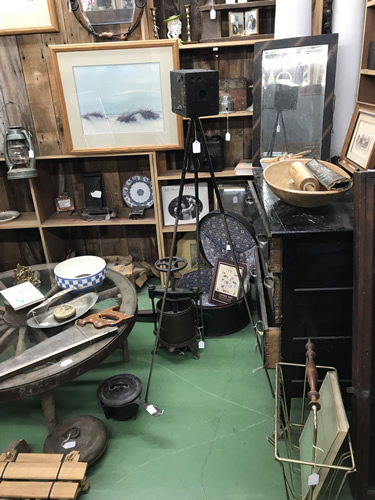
187, 199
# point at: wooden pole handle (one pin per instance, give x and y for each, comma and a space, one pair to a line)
312, 375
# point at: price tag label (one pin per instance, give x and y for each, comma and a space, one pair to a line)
69, 444
212, 13
151, 409
31, 153
313, 479
201, 344
96, 194
196, 147
227, 136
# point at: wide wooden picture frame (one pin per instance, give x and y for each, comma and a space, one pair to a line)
358, 151
225, 286
116, 97
28, 16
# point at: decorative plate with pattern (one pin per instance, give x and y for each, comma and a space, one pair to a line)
137, 192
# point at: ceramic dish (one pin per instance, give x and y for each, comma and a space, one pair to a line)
8, 215
137, 192
278, 179
47, 320
81, 273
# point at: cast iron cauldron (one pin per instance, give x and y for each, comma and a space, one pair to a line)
119, 396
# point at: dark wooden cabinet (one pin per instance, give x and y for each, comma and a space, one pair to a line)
311, 257
363, 367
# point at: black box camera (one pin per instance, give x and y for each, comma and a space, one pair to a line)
195, 92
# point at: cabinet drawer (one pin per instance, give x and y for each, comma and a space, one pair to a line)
323, 263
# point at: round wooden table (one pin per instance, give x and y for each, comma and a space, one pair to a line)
16, 336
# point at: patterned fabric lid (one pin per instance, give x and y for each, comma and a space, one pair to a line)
214, 241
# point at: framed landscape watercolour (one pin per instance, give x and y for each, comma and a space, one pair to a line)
359, 146
27, 16
225, 285
116, 97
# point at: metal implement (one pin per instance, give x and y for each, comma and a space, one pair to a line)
51, 348
43, 317
108, 317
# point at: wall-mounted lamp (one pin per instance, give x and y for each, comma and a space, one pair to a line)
19, 154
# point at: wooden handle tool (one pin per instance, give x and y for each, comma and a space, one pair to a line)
312, 376
303, 178
108, 317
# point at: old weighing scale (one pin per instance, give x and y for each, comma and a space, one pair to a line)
40, 355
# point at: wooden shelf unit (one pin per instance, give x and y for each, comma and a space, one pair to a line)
239, 6
232, 57
366, 84
59, 233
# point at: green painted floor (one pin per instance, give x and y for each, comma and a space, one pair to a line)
210, 443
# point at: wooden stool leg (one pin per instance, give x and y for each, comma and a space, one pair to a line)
49, 409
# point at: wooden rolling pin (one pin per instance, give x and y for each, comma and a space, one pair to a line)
303, 178
312, 376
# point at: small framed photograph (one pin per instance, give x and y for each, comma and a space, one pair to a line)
189, 204
235, 20
251, 22
225, 285
359, 146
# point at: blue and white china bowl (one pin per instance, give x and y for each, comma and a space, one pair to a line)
81, 273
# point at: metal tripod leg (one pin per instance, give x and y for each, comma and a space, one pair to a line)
222, 212
173, 247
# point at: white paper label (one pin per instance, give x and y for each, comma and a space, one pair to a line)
64, 203
201, 344
313, 479
96, 194
66, 362
69, 444
227, 136
196, 147
235, 200
151, 409
31, 153
212, 13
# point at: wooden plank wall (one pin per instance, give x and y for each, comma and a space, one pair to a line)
27, 88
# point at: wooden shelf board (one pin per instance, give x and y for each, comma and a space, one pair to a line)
239, 6
26, 220
236, 114
174, 175
181, 228
92, 155
368, 72
227, 42
65, 219
371, 3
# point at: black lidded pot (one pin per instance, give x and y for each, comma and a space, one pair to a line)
119, 396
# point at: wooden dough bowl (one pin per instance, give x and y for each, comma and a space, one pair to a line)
279, 181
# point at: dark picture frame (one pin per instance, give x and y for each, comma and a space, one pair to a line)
331, 40
225, 285
359, 146
236, 28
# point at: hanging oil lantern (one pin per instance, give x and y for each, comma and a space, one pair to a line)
19, 154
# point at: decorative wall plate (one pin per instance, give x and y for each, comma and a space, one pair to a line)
8, 215
137, 192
